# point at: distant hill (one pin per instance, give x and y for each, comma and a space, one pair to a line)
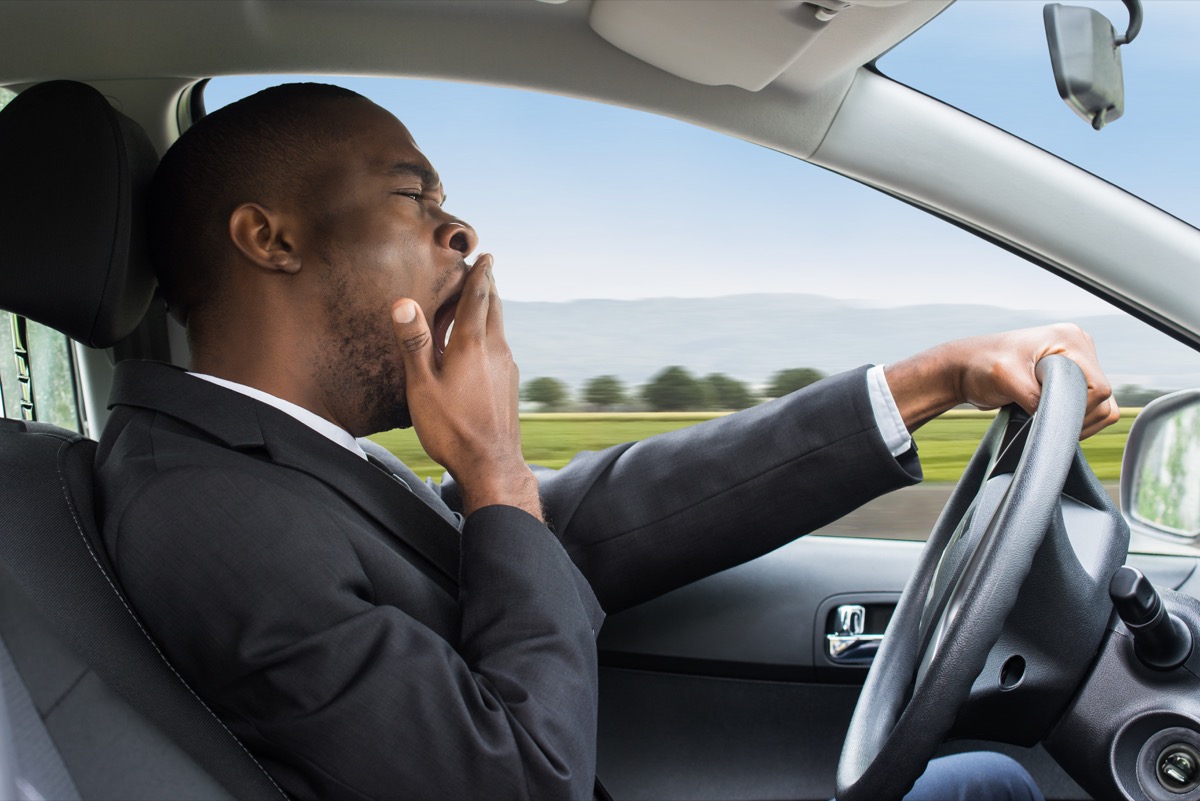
750, 337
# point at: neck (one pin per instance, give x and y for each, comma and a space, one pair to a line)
253, 361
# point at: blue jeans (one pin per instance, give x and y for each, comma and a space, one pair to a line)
977, 776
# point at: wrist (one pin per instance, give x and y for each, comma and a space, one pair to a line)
927, 384
515, 486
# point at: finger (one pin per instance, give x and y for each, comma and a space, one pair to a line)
495, 322
1099, 390
1019, 384
416, 343
470, 317
1029, 395
1101, 418
1102, 409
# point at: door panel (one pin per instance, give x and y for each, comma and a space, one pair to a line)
665, 735
759, 620
724, 689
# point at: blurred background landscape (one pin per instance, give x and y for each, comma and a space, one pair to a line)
751, 337
597, 373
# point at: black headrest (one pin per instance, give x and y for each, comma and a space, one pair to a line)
72, 213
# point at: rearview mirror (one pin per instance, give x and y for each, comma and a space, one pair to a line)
1160, 472
1086, 56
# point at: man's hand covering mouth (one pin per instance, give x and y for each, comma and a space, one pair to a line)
465, 410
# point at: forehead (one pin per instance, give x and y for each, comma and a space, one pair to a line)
383, 146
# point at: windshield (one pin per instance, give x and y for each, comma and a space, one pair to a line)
1001, 73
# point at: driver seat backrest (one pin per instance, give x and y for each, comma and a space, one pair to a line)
111, 717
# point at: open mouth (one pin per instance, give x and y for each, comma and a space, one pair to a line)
443, 324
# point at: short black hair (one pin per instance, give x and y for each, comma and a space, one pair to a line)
261, 147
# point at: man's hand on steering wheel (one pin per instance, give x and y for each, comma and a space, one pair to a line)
995, 369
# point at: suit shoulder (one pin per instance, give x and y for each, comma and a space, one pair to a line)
202, 518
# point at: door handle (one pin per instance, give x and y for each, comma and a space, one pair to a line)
848, 645
853, 649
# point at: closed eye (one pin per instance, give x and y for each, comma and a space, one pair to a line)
418, 196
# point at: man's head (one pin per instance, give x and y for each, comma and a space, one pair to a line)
262, 148
283, 228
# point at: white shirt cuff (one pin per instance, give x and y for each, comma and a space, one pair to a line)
887, 416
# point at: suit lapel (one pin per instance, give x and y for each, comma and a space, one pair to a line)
243, 423
387, 461
392, 504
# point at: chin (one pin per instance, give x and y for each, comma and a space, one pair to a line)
382, 417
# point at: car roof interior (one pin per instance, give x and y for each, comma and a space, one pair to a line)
539, 45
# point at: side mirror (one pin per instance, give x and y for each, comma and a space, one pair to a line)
1085, 54
1160, 473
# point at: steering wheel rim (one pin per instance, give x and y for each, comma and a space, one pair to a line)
893, 734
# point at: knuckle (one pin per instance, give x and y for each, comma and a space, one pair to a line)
415, 342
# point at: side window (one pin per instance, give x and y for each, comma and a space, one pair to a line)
655, 274
51, 389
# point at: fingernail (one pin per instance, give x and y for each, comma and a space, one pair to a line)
404, 313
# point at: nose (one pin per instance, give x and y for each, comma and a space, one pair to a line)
456, 235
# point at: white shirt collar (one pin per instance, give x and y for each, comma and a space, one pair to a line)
317, 423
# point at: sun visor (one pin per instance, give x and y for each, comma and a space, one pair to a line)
747, 43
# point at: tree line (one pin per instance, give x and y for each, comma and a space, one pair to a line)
674, 389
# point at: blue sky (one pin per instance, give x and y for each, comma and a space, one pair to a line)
582, 200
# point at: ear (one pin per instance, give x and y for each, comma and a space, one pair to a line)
264, 237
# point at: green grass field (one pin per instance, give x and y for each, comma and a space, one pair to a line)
945, 444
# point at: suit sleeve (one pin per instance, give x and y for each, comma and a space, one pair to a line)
644, 518
352, 699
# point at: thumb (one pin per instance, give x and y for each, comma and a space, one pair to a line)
412, 334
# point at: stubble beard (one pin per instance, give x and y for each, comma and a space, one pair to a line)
361, 367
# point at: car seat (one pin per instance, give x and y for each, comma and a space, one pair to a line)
90, 708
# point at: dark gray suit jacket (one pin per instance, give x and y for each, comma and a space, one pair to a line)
367, 642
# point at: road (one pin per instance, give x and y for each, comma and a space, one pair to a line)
907, 514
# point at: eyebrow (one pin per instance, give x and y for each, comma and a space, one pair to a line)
428, 178
417, 170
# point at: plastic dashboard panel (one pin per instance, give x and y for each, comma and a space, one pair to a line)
764, 619
757, 620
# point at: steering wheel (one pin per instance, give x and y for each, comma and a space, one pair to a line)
966, 583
